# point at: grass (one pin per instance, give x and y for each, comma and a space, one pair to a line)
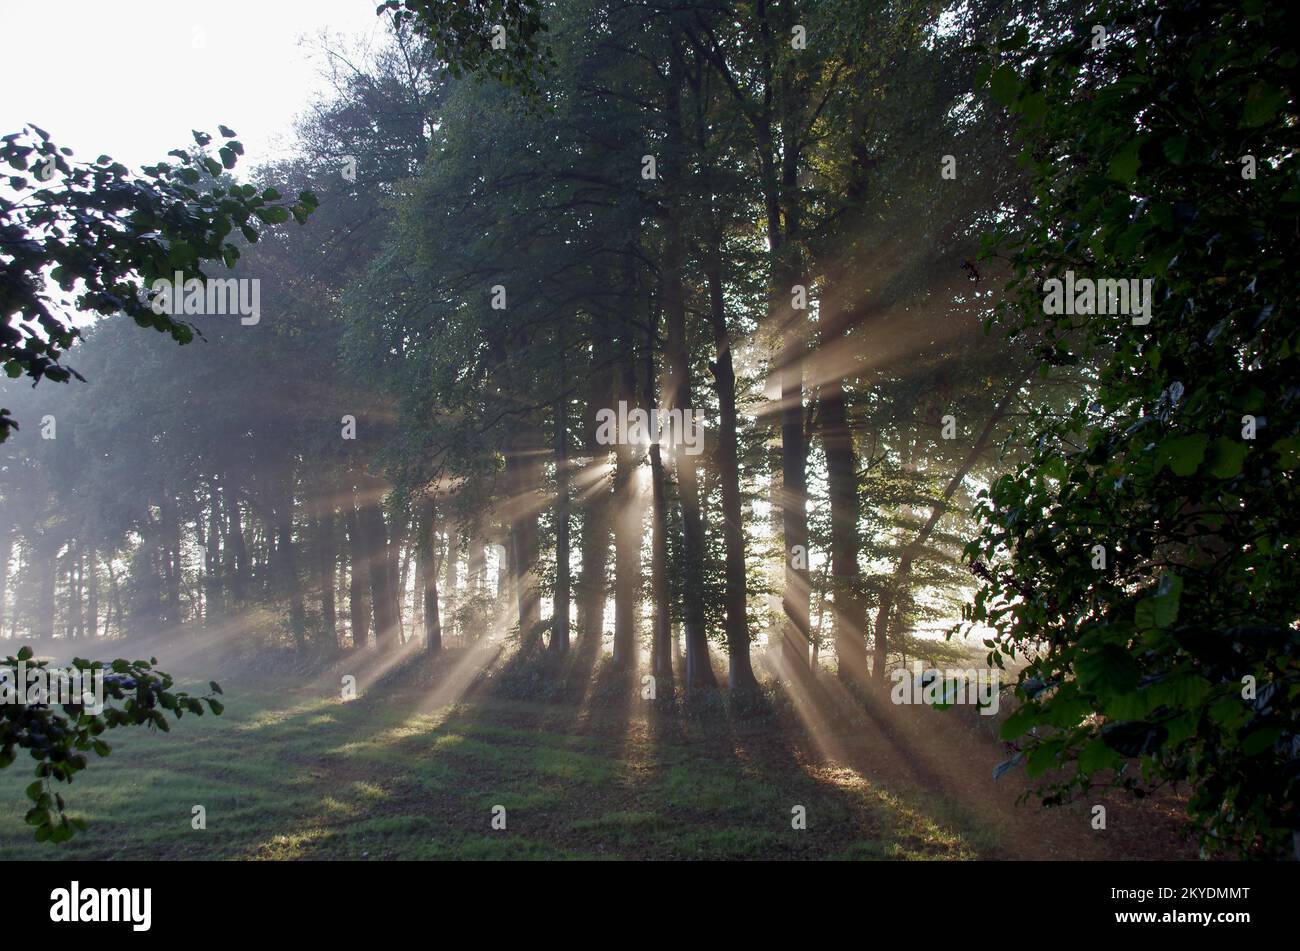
305, 775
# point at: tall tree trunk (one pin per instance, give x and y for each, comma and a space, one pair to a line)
91, 584
47, 566
73, 619
396, 571
236, 549
841, 468
523, 466
740, 670
212, 569
291, 583
661, 641
326, 557
699, 670
358, 594
506, 572
850, 611
592, 589
6, 555
374, 535
429, 575
560, 601
449, 567
627, 529
115, 593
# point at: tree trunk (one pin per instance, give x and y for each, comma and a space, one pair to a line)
740, 670
661, 641
358, 595
374, 536
236, 550
429, 575
326, 557
627, 529
592, 589
6, 555
396, 573
47, 567
91, 584
560, 610
524, 469
449, 578
291, 584
699, 670
477, 567
841, 469
212, 569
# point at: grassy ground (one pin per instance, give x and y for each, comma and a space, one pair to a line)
399, 773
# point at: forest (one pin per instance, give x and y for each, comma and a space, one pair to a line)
417, 500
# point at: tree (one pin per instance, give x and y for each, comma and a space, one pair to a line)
1139, 562
108, 234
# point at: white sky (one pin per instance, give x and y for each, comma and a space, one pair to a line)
126, 78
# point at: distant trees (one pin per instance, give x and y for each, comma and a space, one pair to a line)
107, 234
684, 227
769, 215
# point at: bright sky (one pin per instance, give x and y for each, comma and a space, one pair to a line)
131, 78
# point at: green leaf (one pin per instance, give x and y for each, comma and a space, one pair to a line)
1288, 452
274, 215
1004, 85
1097, 755
1108, 670
1183, 454
1161, 609
1175, 148
1261, 741
1262, 104
1226, 457
1019, 722
1125, 163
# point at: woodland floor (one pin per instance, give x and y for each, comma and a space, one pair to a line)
585, 769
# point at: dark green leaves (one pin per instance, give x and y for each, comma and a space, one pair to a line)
58, 735
1109, 669
1004, 85
1183, 454
116, 232
1179, 458
1160, 610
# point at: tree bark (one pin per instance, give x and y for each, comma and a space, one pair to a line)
358, 596
560, 611
291, 583
592, 589
740, 670
429, 574
236, 549
450, 561
375, 555
523, 466
326, 557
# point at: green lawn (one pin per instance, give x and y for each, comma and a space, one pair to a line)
305, 775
